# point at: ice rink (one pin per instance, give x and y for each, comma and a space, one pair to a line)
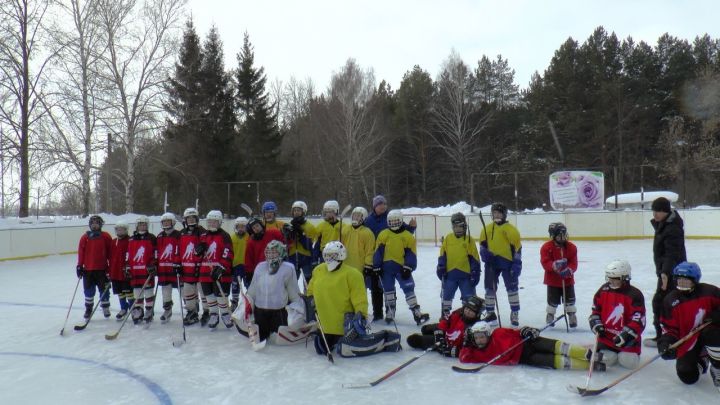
218, 367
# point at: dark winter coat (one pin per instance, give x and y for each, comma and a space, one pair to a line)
669, 244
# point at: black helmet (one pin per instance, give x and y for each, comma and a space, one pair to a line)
96, 218
475, 304
559, 229
551, 229
249, 227
458, 219
501, 208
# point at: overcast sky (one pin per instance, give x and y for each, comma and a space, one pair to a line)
314, 38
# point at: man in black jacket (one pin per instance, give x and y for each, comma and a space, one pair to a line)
668, 251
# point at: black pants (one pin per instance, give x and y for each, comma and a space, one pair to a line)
657, 302
687, 365
212, 288
554, 294
376, 296
539, 353
425, 339
269, 320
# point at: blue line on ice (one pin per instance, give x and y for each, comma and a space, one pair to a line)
162, 395
24, 304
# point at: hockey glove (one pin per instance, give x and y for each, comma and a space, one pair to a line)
516, 267
529, 333
566, 273
441, 271
559, 265
625, 338
439, 335
663, 346
217, 272
485, 254
450, 351
152, 270
406, 272
368, 270
200, 248
475, 278
596, 325
127, 273
177, 267
297, 223
80, 270
288, 232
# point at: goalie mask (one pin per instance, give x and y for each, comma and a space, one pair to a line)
333, 254
274, 255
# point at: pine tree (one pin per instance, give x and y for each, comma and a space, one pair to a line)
260, 138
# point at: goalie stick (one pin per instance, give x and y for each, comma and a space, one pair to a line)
510, 349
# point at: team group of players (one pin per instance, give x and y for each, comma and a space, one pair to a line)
339, 261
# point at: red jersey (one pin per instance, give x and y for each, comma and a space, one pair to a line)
94, 251
168, 248
619, 308
551, 251
141, 253
685, 311
454, 328
117, 258
501, 340
219, 252
255, 249
189, 238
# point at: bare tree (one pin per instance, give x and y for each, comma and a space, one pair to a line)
21, 37
457, 126
71, 97
141, 39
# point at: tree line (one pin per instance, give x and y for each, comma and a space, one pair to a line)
129, 103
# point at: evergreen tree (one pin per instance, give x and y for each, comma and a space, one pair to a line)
260, 138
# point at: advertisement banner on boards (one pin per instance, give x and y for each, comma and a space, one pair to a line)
577, 190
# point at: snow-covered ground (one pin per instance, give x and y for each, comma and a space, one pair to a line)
218, 367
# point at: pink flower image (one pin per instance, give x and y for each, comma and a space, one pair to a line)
564, 179
589, 193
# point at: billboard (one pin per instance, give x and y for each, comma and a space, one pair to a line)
577, 190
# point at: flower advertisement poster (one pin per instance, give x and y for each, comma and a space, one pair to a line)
577, 190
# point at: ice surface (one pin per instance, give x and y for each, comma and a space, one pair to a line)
218, 367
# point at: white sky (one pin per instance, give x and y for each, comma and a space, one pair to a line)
315, 37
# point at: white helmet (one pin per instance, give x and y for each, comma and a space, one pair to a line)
361, 213
301, 205
141, 219
394, 219
241, 221
618, 269
189, 212
165, 217
214, 215
122, 224
334, 253
331, 206
480, 328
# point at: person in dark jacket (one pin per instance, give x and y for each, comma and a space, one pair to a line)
668, 252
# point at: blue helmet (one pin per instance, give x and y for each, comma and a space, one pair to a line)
269, 206
689, 270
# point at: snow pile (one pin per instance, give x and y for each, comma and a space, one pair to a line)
446, 210
637, 198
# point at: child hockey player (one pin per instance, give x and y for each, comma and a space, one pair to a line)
501, 252
360, 244
329, 229
215, 248
92, 265
341, 302
558, 257
120, 284
689, 306
273, 286
168, 247
618, 317
458, 264
395, 259
447, 336
302, 234
141, 265
189, 239
483, 343
269, 213
255, 247
239, 243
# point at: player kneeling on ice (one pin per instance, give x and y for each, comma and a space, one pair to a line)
618, 317
689, 306
395, 258
273, 286
558, 257
483, 343
458, 264
447, 336
339, 295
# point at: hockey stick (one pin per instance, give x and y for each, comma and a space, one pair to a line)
497, 304
342, 214
590, 393
510, 349
322, 332
383, 288
564, 300
593, 356
391, 372
72, 300
87, 321
247, 209
114, 336
147, 322
178, 343
255, 345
